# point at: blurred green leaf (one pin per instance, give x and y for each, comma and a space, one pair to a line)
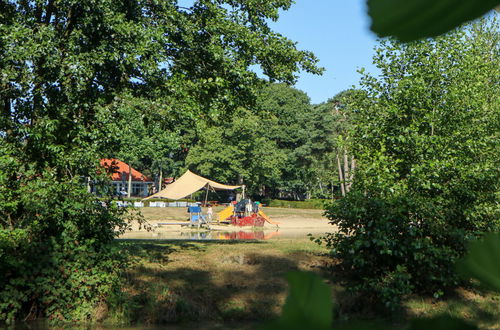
483, 262
443, 322
413, 19
362, 325
308, 305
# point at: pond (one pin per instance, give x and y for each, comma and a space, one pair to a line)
222, 235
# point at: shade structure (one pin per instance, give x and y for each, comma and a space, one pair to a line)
187, 184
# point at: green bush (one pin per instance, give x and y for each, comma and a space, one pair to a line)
307, 204
58, 261
427, 166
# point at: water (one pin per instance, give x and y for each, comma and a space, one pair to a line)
221, 235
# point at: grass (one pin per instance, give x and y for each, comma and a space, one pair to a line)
475, 305
237, 284
173, 281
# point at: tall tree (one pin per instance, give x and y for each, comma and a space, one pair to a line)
425, 144
236, 151
284, 110
68, 68
329, 128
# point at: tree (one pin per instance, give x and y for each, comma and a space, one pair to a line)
265, 145
238, 152
284, 112
426, 175
68, 69
329, 130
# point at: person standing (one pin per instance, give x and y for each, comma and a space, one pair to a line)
209, 213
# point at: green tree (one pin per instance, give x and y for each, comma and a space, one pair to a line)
427, 160
69, 69
238, 152
264, 145
284, 112
328, 128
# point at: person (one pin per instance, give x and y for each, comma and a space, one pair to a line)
209, 212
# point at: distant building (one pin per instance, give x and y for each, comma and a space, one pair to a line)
119, 175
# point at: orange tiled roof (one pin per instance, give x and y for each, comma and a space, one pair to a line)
115, 167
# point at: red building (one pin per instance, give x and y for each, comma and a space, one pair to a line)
119, 172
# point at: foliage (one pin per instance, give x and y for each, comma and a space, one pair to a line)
281, 148
59, 263
481, 262
427, 174
81, 80
308, 305
237, 150
328, 128
262, 145
411, 20
284, 111
306, 204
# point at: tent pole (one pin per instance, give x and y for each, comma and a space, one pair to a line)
206, 195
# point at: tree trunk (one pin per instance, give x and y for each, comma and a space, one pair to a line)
346, 172
129, 190
160, 182
341, 176
351, 173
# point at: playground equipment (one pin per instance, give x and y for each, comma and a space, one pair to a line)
197, 218
245, 213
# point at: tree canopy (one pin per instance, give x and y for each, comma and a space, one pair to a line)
84, 79
425, 144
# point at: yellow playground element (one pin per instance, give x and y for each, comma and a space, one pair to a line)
226, 213
262, 214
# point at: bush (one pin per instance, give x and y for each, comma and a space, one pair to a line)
427, 165
307, 204
58, 260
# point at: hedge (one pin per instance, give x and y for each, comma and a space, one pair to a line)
307, 204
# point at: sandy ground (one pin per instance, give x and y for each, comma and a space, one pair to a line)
293, 223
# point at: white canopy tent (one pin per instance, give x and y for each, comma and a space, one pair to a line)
187, 184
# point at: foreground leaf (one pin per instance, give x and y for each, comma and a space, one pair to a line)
414, 19
308, 305
483, 262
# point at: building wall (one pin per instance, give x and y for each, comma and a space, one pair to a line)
139, 188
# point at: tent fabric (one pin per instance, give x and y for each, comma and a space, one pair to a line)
187, 184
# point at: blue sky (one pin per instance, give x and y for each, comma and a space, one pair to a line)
337, 32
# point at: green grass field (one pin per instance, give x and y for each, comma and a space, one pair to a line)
242, 283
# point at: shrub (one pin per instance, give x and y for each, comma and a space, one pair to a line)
307, 204
427, 170
58, 261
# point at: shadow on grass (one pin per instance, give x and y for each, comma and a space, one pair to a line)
247, 289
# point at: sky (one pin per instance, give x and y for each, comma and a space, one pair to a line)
337, 32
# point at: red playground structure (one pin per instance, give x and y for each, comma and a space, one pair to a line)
245, 213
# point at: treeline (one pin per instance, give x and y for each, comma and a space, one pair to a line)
281, 146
